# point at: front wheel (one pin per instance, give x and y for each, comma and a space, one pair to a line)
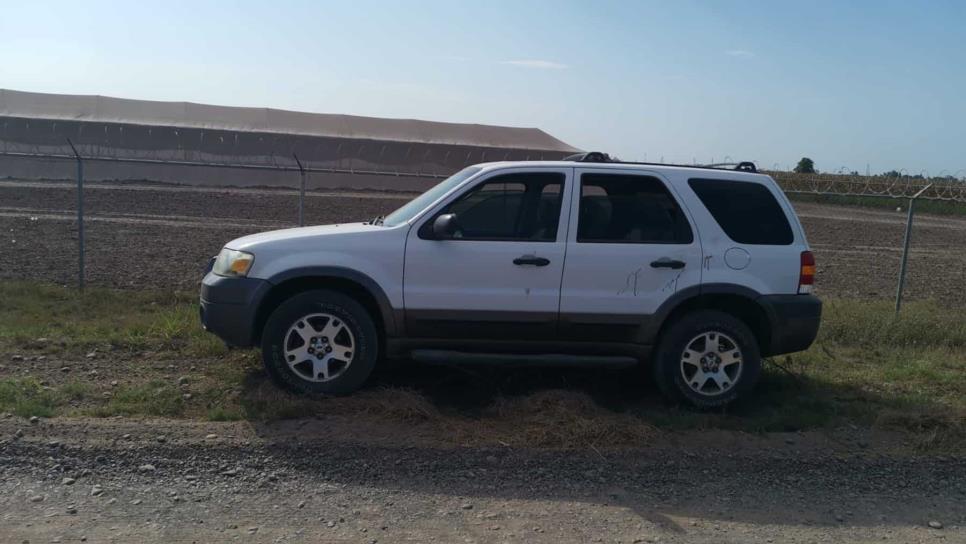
708, 358
320, 342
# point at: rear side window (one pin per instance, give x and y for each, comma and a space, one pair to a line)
617, 208
746, 211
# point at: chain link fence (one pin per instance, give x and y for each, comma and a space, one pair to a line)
874, 238
862, 254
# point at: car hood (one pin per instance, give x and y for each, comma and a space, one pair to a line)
281, 239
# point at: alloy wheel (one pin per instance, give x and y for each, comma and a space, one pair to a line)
711, 363
319, 347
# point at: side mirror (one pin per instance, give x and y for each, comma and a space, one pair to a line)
445, 226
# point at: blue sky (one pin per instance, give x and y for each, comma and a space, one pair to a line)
845, 83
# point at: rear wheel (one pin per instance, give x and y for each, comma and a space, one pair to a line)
707, 358
320, 342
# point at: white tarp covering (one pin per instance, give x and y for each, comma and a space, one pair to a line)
181, 142
104, 109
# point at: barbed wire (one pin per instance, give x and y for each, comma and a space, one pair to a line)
900, 187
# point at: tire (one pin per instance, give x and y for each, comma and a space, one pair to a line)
300, 356
707, 382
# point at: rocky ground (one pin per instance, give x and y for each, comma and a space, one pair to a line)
356, 480
161, 236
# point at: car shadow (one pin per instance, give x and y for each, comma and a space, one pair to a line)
473, 388
698, 464
783, 400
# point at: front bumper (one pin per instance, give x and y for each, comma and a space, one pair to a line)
229, 307
794, 320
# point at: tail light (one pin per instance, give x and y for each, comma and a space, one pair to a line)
806, 276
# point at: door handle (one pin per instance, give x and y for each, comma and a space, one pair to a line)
531, 260
664, 262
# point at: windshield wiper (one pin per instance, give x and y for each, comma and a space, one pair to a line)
378, 220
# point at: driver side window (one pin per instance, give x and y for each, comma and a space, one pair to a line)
511, 207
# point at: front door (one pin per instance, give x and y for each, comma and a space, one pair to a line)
498, 276
631, 246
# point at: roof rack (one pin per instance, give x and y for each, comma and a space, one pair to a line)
590, 156
598, 156
744, 166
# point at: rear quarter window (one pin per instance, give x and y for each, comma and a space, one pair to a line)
746, 211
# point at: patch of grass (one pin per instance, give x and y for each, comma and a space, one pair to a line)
75, 392
72, 321
868, 367
155, 398
874, 324
222, 413
27, 398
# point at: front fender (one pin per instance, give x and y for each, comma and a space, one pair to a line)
386, 308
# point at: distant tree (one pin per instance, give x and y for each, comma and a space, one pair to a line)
892, 174
805, 166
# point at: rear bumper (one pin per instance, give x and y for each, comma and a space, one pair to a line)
229, 306
794, 320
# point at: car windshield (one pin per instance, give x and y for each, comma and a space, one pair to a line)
418, 204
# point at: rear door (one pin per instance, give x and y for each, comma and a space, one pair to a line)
500, 277
631, 246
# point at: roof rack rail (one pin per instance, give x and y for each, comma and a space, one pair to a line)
590, 156
598, 156
743, 166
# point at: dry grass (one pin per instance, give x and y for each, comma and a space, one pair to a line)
398, 404
548, 419
562, 418
266, 401
932, 431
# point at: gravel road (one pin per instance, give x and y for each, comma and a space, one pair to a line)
358, 480
142, 235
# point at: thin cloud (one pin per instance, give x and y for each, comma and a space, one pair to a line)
536, 63
740, 53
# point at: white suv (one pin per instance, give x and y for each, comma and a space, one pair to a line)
702, 271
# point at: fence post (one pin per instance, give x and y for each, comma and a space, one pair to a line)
80, 216
301, 191
905, 246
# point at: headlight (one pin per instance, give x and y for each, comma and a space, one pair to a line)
231, 262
